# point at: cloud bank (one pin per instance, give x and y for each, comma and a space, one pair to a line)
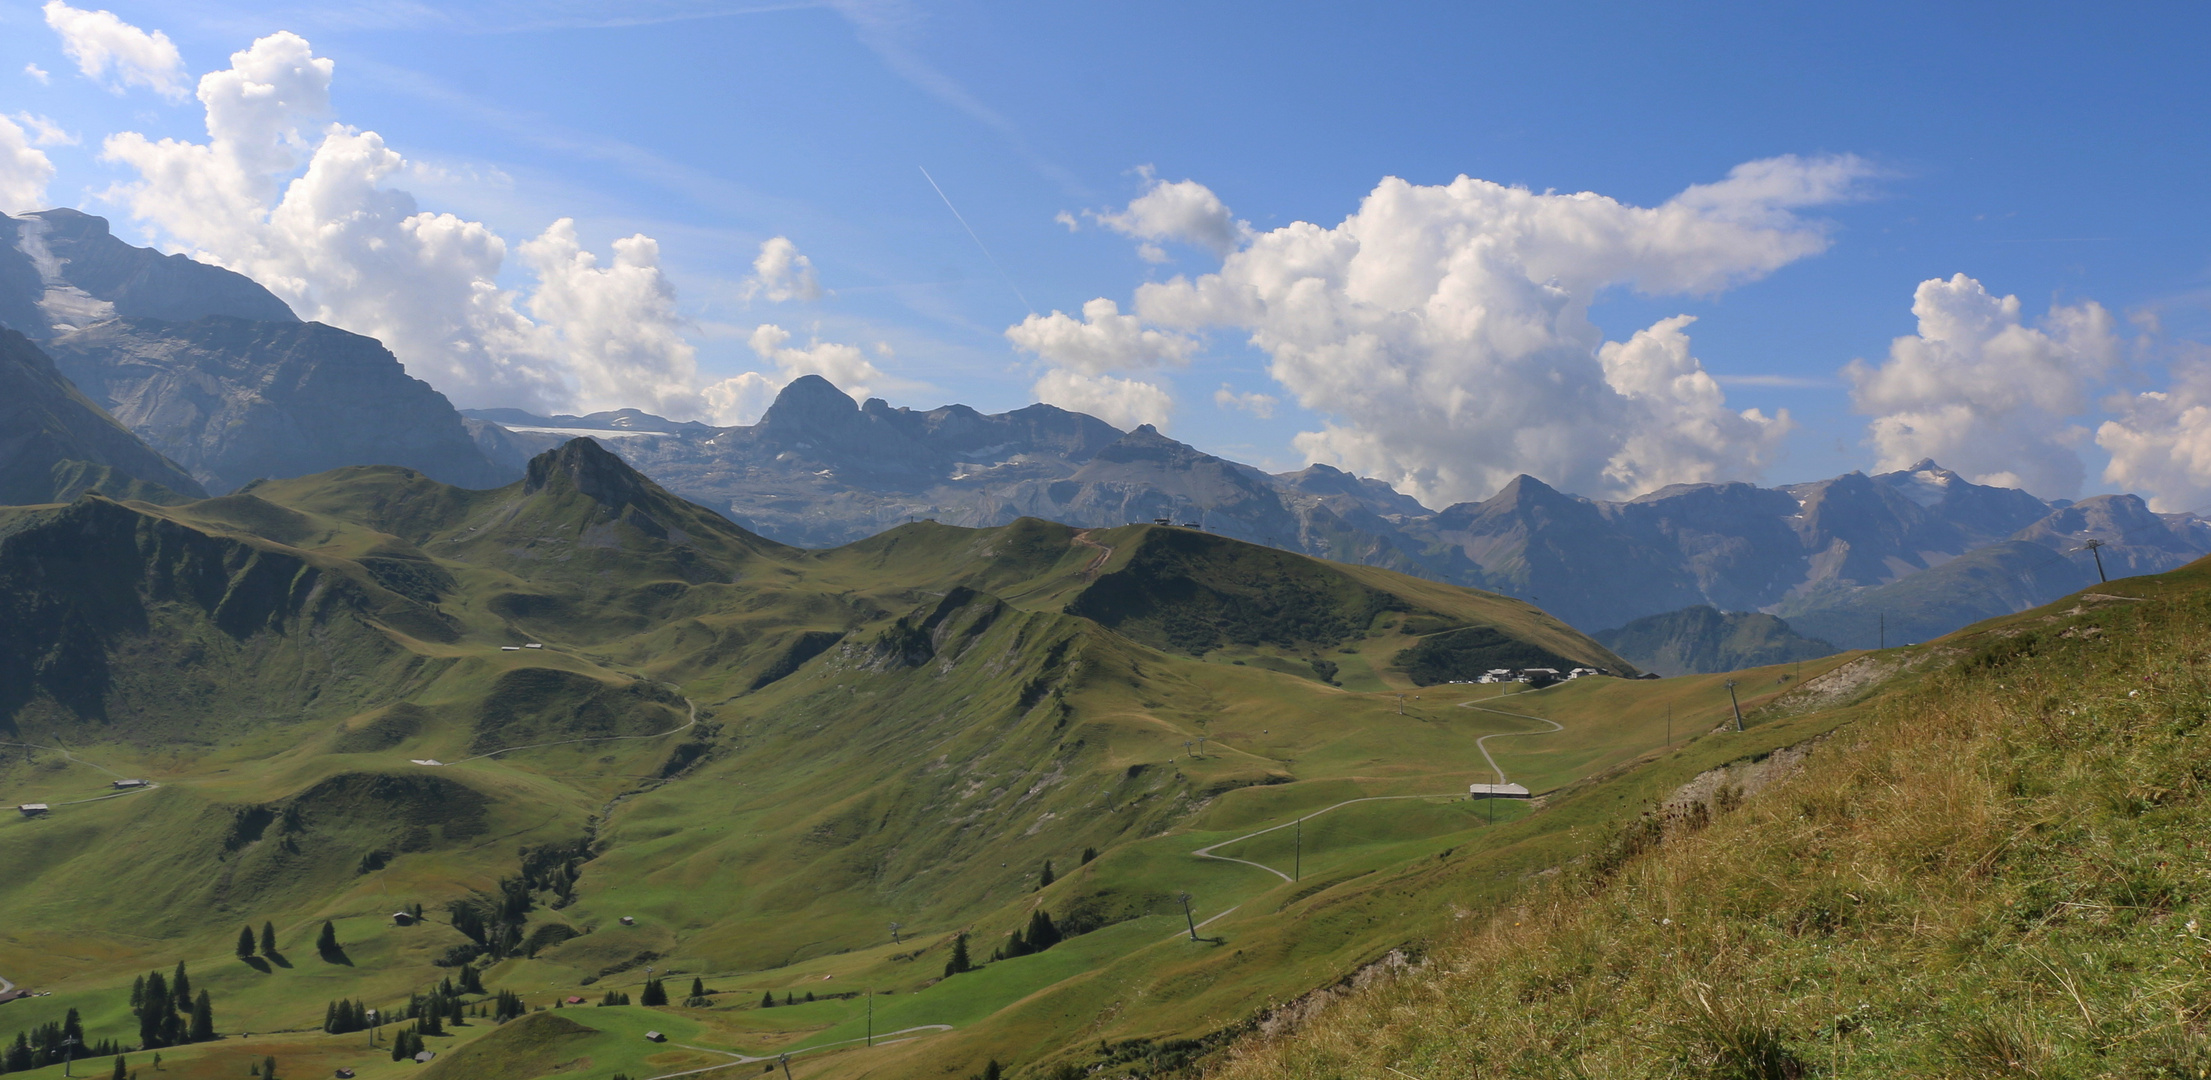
2160, 440
1445, 328
1981, 392
305, 207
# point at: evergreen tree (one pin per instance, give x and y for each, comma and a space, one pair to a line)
788, 999
960, 963
1042, 934
120, 1072
19, 1055
327, 941
993, 1071
245, 942
73, 1027
767, 1000
180, 984
654, 993
268, 1068
203, 1019
1046, 877
698, 992
1088, 854
157, 1014
138, 993
268, 939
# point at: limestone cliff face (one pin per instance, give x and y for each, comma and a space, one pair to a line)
234, 399
55, 444
62, 270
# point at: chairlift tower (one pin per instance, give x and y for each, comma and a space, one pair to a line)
1737, 705
1186, 916
2095, 547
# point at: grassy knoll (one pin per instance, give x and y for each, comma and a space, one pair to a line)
1997, 872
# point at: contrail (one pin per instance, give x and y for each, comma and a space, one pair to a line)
978, 240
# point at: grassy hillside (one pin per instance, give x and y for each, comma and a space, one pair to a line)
1704, 639
744, 763
1998, 870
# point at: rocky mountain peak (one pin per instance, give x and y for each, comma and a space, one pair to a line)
591, 470
810, 403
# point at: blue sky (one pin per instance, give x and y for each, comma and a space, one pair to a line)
2055, 153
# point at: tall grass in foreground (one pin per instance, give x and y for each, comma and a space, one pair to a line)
2002, 871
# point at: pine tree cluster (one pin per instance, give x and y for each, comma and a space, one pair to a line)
653, 994
408, 1042
343, 1016
1039, 936
168, 1013
614, 997
508, 1007
42, 1046
698, 998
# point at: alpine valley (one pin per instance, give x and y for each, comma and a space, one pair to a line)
865, 741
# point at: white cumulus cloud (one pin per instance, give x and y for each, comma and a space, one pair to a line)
2160, 441
1985, 394
38, 73
24, 170
1124, 403
113, 52
1679, 427
1102, 340
305, 207
780, 273
1183, 211
1445, 331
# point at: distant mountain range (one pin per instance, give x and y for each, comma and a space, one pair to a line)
215, 372
820, 469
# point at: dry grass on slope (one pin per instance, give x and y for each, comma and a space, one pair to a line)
2002, 872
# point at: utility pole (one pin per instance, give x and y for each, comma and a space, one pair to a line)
871, 1018
1186, 916
1738, 706
2095, 547
68, 1053
785, 1061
